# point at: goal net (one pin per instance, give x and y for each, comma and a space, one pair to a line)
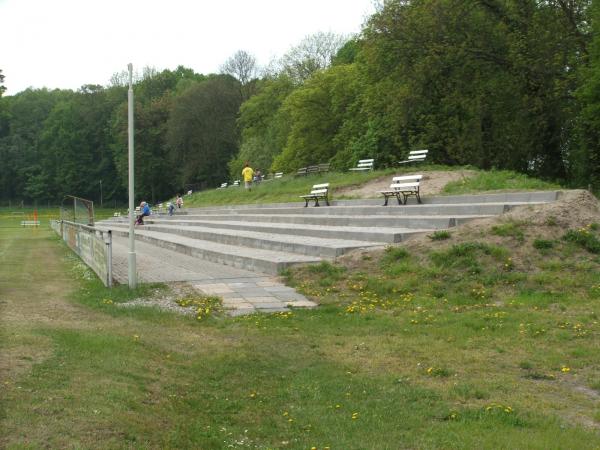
78, 210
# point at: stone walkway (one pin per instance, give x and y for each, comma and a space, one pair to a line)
242, 291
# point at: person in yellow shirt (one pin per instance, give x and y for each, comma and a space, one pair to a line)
248, 174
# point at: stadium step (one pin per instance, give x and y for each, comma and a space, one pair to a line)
269, 238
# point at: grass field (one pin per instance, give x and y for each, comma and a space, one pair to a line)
459, 345
289, 188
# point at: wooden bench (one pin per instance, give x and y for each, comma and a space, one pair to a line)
415, 156
30, 223
404, 186
364, 164
318, 168
318, 191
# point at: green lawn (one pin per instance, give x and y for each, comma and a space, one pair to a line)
464, 344
289, 188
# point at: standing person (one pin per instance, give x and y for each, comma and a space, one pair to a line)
171, 208
144, 211
179, 201
248, 174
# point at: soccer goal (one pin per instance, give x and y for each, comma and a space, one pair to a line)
78, 210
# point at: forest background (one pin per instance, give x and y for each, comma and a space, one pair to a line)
507, 84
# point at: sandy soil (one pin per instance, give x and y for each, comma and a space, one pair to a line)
432, 184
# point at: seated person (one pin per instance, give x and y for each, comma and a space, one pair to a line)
144, 211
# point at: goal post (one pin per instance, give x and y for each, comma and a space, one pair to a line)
77, 209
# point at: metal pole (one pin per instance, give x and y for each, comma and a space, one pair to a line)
131, 257
100, 193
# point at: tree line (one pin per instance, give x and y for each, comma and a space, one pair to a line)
511, 84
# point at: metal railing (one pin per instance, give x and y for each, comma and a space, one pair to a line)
93, 246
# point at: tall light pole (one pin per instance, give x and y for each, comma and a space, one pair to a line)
131, 256
100, 193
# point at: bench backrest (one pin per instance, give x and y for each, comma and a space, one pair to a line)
407, 178
320, 188
418, 152
278, 174
223, 185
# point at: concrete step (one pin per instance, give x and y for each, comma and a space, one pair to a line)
288, 243
256, 260
370, 234
414, 222
375, 210
501, 197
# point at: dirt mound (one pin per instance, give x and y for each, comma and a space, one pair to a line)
574, 209
433, 183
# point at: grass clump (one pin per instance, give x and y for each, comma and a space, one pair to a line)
584, 238
509, 229
204, 305
394, 254
543, 244
440, 235
497, 180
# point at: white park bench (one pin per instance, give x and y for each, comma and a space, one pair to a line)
223, 186
318, 191
404, 186
236, 183
117, 214
189, 192
364, 164
278, 175
30, 223
415, 156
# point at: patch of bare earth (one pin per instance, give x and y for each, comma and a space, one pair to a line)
574, 209
433, 183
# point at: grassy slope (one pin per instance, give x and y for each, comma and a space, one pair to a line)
289, 188
407, 351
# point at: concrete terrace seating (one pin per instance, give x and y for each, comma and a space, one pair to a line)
313, 169
415, 156
364, 164
404, 186
268, 238
318, 191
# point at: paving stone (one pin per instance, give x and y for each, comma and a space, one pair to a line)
301, 304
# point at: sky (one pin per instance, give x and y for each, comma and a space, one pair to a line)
68, 43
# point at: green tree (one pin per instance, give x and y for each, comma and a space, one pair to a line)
318, 112
264, 126
202, 133
2, 87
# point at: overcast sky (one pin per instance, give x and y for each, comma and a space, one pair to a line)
69, 43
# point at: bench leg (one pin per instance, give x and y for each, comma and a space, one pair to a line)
316, 201
306, 204
327, 201
398, 198
386, 200
418, 197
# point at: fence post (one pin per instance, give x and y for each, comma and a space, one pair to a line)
108, 242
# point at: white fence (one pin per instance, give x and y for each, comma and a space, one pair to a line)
93, 246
